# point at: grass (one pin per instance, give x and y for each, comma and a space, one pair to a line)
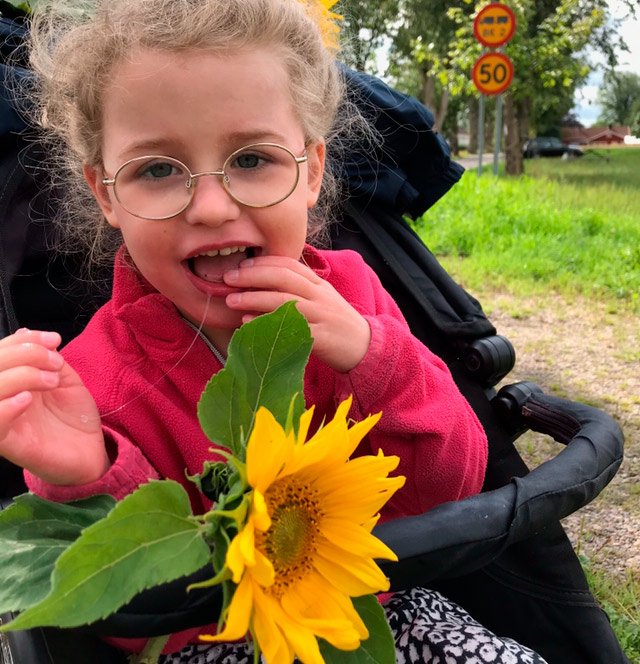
572, 226
621, 601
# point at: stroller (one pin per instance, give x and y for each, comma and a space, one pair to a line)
506, 559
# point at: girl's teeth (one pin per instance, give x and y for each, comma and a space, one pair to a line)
227, 251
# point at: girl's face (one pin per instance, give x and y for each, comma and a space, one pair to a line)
199, 108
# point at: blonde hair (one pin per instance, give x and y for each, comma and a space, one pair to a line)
75, 45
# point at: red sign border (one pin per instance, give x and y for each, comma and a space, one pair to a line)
476, 21
500, 56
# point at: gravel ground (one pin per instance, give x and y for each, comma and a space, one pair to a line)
587, 352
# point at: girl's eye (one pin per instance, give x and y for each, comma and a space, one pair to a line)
158, 170
248, 160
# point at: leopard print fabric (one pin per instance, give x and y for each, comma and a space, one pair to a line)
428, 629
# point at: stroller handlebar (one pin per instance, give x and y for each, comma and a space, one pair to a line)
486, 524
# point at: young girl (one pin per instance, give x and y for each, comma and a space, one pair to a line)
199, 128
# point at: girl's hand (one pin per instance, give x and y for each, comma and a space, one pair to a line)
341, 334
49, 423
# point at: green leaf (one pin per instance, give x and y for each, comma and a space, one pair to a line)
33, 533
147, 539
379, 648
265, 367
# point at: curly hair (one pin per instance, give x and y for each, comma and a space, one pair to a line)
75, 45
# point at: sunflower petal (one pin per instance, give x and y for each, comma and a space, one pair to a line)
241, 552
267, 450
304, 424
355, 539
273, 644
238, 615
343, 579
263, 571
360, 568
334, 619
259, 512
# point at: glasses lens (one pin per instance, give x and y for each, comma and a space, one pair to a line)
261, 174
153, 187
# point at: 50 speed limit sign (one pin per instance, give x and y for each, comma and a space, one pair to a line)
492, 73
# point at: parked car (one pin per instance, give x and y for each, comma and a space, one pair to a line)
550, 146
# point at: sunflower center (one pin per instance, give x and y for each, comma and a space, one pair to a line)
290, 542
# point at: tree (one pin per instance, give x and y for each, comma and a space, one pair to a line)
619, 97
365, 26
419, 56
432, 51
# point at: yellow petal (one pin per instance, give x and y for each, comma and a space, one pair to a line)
339, 577
274, 646
241, 552
267, 450
263, 571
355, 539
361, 568
304, 424
334, 619
238, 615
304, 643
259, 512
360, 429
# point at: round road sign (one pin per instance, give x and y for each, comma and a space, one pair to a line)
494, 25
492, 73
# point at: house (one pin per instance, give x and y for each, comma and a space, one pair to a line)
594, 135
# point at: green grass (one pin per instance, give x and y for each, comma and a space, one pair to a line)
621, 601
571, 226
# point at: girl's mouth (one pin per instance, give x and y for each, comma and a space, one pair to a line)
211, 265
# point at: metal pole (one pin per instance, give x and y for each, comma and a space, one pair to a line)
480, 133
496, 152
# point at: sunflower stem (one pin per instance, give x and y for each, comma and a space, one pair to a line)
256, 646
151, 652
238, 515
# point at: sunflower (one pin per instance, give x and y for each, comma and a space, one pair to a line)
325, 19
306, 547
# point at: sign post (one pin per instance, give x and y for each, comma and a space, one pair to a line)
492, 72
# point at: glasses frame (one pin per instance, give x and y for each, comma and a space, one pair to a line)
192, 179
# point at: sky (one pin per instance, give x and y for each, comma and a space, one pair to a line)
586, 107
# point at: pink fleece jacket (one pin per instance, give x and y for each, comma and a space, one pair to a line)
131, 357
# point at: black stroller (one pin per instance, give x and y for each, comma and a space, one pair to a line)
503, 554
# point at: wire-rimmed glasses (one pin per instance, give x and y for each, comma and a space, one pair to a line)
158, 187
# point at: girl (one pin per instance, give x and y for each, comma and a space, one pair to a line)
198, 126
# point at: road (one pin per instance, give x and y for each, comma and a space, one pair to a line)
472, 162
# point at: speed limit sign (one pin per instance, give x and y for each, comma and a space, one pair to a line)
492, 73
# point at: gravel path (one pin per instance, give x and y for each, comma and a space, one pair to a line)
587, 352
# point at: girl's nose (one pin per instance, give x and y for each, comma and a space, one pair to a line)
211, 204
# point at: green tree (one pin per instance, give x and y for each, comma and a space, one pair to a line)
432, 51
365, 27
619, 98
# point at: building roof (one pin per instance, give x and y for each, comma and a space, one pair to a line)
593, 134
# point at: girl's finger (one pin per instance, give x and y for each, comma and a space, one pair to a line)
291, 277
260, 302
50, 340
11, 409
30, 354
26, 379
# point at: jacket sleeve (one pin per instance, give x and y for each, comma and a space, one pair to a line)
425, 419
130, 469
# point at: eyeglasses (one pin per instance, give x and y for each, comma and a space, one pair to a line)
158, 187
